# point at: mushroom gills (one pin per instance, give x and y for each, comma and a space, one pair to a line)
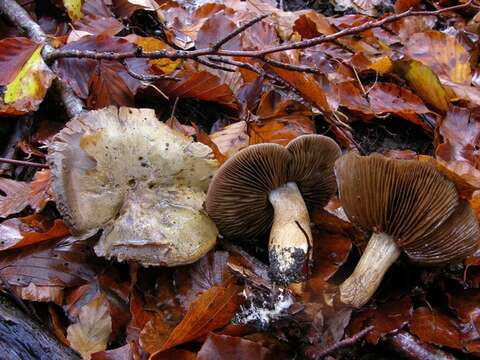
381, 252
290, 236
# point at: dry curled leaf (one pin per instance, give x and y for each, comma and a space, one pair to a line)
90, 334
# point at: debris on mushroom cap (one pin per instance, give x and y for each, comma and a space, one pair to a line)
124, 171
410, 201
238, 196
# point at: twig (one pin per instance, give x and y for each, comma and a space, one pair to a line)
213, 66
292, 67
148, 77
195, 54
21, 129
412, 348
237, 31
319, 354
20, 18
23, 163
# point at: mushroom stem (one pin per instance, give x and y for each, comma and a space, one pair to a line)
380, 253
290, 236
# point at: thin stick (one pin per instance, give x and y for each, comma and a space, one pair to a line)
236, 32
147, 77
23, 163
319, 354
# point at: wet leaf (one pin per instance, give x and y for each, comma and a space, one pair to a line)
19, 194
437, 328
65, 262
442, 53
13, 56
15, 233
213, 309
232, 138
74, 8
214, 29
230, 347
199, 85
386, 318
90, 334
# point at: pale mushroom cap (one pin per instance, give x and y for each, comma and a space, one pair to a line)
237, 199
112, 166
410, 201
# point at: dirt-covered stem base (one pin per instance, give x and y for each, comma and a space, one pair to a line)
290, 236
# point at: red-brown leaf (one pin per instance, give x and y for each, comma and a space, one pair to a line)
224, 347
14, 54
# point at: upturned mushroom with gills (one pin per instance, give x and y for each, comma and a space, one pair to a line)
271, 187
409, 206
122, 171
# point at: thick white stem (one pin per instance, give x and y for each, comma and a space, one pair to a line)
290, 236
380, 254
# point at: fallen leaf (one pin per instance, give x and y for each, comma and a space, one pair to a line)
125, 352
213, 309
14, 233
155, 333
386, 319
90, 334
442, 53
425, 84
192, 280
199, 85
214, 29
231, 139
13, 56
434, 327
391, 98
33, 292
65, 262
27, 90
98, 25
218, 347
19, 195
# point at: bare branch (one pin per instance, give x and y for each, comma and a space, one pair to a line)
195, 54
148, 77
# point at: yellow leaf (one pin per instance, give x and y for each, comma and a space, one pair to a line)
425, 83
166, 66
90, 334
382, 65
27, 90
74, 8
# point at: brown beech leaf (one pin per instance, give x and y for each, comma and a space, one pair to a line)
435, 327
155, 333
351, 96
203, 137
213, 309
19, 195
107, 87
15, 233
466, 305
442, 53
280, 130
232, 138
98, 25
223, 347
176, 354
192, 280
65, 262
125, 352
391, 98
460, 130
90, 334
214, 29
199, 85
78, 72
306, 84
385, 318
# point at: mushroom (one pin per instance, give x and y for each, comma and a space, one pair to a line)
268, 186
410, 207
142, 183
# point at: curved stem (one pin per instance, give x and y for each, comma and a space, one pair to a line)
290, 236
380, 254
